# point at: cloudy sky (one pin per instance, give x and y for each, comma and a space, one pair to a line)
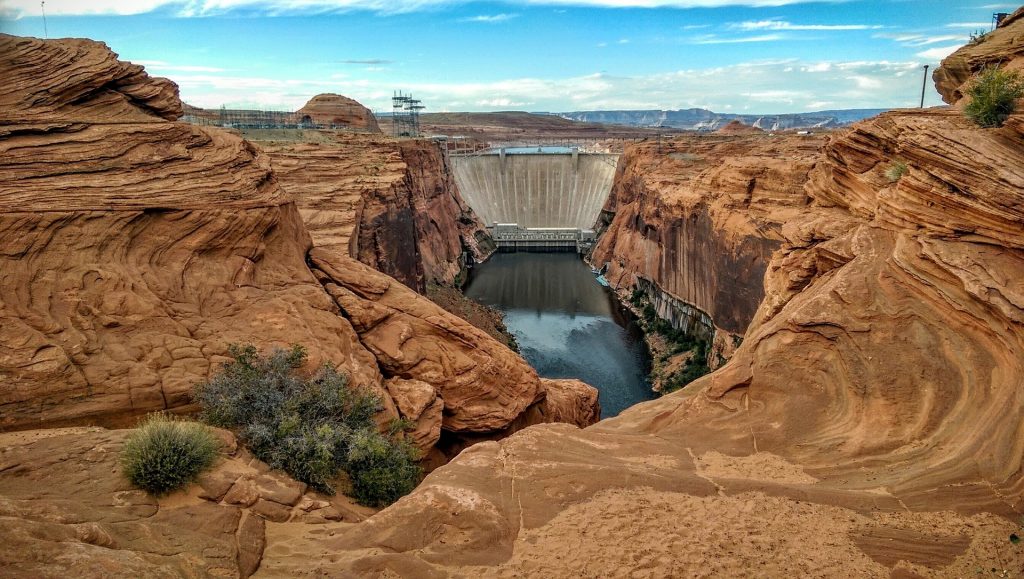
756, 56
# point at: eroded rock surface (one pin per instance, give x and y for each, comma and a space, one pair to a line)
869, 424
134, 249
391, 204
695, 221
1001, 47
339, 111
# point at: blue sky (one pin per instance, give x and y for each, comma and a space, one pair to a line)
754, 56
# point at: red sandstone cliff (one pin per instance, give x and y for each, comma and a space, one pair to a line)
133, 249
1002, 48
696, 220
870, 424
392, 205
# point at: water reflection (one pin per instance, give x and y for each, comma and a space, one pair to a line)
567, 325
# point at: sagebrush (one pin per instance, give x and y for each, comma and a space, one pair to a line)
312, 427
165, 454
895, 170
993, 96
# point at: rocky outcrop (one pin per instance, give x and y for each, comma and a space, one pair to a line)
391, 204
65, 506
132, 252
738, 128
337, 111
694, 223
1002, 47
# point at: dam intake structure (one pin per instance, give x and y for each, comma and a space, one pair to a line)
537, 199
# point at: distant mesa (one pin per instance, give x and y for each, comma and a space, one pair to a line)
738, 128
337, 110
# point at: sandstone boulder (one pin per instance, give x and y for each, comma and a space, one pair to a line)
337, 111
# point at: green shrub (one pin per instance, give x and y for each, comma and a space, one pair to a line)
308, 426
165, 454
993, 94
895, 170
380, 468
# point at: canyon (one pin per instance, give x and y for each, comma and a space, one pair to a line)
865, 417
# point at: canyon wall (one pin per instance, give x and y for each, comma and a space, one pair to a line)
695, 220
392, 205
134, 249
870, 423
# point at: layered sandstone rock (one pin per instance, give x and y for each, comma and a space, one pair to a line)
1001, 47
337, 111
868, 425
391, 204
133, 250
695, 221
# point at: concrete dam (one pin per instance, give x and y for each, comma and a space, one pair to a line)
537, 200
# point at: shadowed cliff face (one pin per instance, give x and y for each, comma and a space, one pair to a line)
699, 218
134, 249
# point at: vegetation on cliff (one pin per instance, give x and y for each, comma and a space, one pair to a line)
165, 454
312, 427
678, 343
994, 93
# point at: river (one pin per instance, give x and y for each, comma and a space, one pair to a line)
566, 324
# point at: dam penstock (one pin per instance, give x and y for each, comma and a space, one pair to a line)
537, 200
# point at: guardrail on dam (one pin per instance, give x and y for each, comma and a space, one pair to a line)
535, 191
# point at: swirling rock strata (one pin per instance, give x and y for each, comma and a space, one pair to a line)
134, 249
869, 424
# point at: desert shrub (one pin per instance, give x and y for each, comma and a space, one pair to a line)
895, 170
165, 454
993, 92
307, 425
380, 469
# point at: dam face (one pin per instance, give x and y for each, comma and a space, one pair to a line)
550, 196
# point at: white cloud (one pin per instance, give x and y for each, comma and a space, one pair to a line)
759, 87
983, 25
489, 18
713, 39
194, 8
819, 67
784, 25
938, 53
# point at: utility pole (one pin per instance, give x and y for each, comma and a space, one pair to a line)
924, 84
42, 7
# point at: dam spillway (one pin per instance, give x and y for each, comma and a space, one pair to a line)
539, 192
